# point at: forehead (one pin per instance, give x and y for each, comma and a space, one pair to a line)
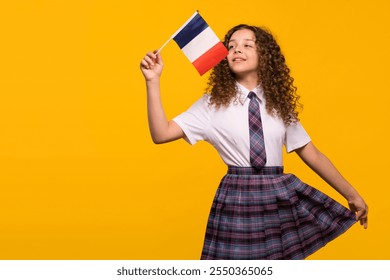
243, 34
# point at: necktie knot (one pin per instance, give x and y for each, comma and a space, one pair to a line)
252, 95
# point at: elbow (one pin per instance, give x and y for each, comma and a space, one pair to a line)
158, 140
165, 136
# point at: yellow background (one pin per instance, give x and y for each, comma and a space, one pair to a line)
79, 175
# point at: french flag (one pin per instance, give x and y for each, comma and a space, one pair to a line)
200, 44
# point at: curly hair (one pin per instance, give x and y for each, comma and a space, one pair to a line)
274, 77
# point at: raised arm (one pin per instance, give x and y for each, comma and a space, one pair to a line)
161, 129
320, 164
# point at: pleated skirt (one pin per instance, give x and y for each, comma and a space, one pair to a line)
270, 215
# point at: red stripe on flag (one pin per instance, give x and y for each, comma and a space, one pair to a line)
210, 58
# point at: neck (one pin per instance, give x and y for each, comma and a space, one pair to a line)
250, 82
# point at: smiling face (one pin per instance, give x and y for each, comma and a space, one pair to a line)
243, 58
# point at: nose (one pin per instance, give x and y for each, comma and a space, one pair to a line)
236, 50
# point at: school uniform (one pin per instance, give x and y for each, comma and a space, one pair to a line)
260, 213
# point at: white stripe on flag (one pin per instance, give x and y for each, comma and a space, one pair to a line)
200, 44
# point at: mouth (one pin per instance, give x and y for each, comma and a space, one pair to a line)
239, 59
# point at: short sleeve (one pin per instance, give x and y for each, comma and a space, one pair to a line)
195, 120
296, 137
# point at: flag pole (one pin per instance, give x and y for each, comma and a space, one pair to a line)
174, 34
159, 50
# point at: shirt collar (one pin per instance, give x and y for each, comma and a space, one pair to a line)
243, 93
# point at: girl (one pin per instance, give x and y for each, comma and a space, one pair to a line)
258, 211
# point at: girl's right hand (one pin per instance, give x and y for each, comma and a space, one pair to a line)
151, 66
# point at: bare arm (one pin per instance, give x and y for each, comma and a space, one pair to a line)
161, 130
320, 164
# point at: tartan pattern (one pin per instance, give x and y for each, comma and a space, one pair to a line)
258, 156
266, 214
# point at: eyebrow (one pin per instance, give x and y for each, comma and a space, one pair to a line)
233, 40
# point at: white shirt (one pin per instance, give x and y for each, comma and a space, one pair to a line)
227, 129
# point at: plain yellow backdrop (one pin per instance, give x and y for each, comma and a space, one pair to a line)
79, 175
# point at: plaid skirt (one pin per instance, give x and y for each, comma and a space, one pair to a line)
270, 215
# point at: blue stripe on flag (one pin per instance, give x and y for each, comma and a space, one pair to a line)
190, 31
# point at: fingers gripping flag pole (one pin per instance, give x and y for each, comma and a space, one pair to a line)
199, 43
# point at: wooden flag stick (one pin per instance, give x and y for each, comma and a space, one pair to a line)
159, 50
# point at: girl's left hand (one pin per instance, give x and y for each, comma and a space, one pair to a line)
358, 206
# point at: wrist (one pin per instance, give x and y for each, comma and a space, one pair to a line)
153, 81
352, 195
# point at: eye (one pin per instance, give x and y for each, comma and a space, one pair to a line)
230, 47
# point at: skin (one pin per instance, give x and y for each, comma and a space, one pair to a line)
243, 61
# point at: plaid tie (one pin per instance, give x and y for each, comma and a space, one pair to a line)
257, 148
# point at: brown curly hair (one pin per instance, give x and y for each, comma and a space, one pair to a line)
274, 76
